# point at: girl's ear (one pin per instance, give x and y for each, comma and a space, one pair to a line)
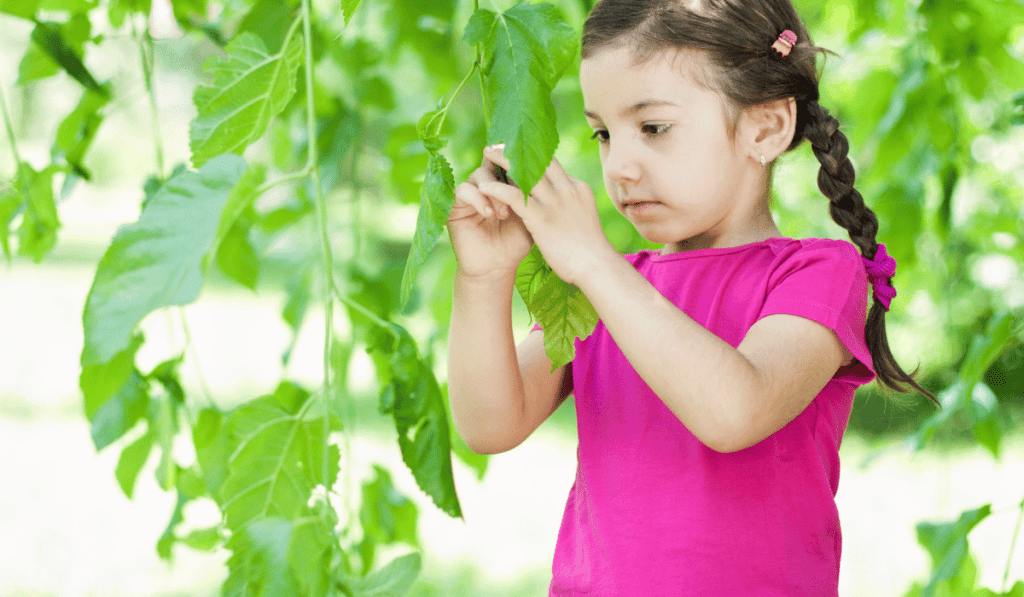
767, 129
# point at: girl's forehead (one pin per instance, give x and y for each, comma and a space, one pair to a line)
611, 77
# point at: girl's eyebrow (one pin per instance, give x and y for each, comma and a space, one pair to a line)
641, 105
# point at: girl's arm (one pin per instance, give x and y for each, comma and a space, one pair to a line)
730, 398
498, 395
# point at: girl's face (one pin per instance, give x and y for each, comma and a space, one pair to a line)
670, 165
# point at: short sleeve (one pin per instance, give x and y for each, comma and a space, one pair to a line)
825, 281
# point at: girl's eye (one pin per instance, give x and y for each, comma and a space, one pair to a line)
658, 129
652, 130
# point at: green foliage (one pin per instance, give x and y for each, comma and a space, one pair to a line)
561, 309
250, 87
157, 261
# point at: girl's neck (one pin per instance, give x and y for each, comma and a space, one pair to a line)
759, 228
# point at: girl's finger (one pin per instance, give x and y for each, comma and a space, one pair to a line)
510, 196
469, 195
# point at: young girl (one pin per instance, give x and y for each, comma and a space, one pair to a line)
713, 395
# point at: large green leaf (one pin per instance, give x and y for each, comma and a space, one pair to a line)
157, 261
385, 515
529, 48
411, 393
561, 309
436, 201
947, 544
131, 461
259, 563
39, 63
50, 38
213, 444
249, 88
393, 580
76, 133
276, 465
38, 232
121, 412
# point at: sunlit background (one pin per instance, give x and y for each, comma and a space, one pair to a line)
67, 529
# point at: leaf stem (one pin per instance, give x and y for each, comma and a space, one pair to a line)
284, 179
145, 41
444, 111
362, 310
312, 164
480, 63
191, 348
1013, 543
10, 130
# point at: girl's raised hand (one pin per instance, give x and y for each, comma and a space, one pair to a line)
488, 238
560, 216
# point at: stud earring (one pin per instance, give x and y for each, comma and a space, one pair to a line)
763, 161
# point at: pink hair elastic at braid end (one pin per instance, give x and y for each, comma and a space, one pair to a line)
785, 43
880, 271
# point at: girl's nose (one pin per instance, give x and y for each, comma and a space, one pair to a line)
621, 164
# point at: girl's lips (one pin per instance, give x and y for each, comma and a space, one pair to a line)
640, 204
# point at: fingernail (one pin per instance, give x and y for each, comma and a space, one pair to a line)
496, 147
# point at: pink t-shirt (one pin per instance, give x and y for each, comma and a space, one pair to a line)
653, 511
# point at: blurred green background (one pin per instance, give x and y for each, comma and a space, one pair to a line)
930, 94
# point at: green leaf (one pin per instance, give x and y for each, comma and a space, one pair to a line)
385, 515
312, 550
156, 262
25, 9
1018, 110
348, 9
38, 232
259, 562
168, 538
436, 201
410, 392
132, 459
270, 20
11, 200
119, 9
480, 28
76, 132
237, 258
166, 373
100, 382
250, 87
276, 465
561, 309
121, 412
947, 544
163, 420
424, 438
238, 204
393, 580
207, 539
986, 347
50, 38
213, 448
530, 275
531, 48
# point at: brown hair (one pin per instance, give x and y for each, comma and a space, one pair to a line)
736, 37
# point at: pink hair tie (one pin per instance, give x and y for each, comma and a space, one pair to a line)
785, 43
880, 270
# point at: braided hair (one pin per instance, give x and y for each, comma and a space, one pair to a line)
736, 37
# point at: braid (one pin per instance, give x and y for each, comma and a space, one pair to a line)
847, 208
